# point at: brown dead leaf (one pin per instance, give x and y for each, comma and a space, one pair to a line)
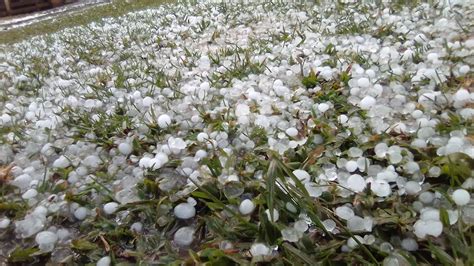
5, 173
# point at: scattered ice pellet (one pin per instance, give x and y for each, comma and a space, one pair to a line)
380, 188
409, 244
329, 224
104, 261
412, 187
464, 69
164, 121
367, 102
125, 148
292, 132
363, 82
184, 211
61, 162
344, 212
351, 166
29, 194
246, 207
184, 236
81, 213
4, 222
46, 240
136, 227
323, 107
356, 183
259, 249
461, 197
290, 234
302, 175
423, 228
110, 207
356, 224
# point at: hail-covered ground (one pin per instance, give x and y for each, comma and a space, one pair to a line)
237, 133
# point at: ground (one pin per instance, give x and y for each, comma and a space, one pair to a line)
232, 133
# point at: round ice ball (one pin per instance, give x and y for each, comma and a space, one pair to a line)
461, 197
184, 211
110, 207
125, 148
246, 207
164, 121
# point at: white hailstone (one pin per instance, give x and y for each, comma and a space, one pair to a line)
461, 197
290, 234
276, 215
200, 154
422, 228
176, 144
409, 244
184, 211
164, 121
426, 132
344, 212
260, 249
191, 201
367, 102
329, 224
351, 166
302, 175
462, 95
420, 38
363, 82
314, 190
46, 240
125, 148
426, 197
61, 162
147, 101
429, 213
29, 194
354, 152
433, 57
184, 236
136, 227
246, 207
356, 183
381, 188
201, 137
412, 187
464, 69
292, 132
417, 114
301, 226
356, 224
381, 150
4, 222
81, 213
110, 207
468, 184
351, 243
323, 107
104, 261
342, 119
242, 109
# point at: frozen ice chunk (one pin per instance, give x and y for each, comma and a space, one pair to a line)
46, 240
356, 183
184, 236
184, 211
259, 249
344, 212
246, 207
461, 197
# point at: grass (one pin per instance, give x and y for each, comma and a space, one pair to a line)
115, 8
